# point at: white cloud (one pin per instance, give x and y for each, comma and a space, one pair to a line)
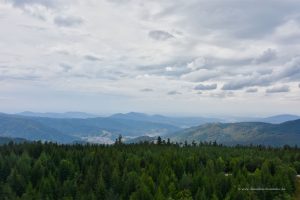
160, 47
197, 64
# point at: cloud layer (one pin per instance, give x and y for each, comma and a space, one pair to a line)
221, 52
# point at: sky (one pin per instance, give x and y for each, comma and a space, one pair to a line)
183, 57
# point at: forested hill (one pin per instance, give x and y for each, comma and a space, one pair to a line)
68, 130
26, 128
243, 133
135, 127
6, 140
35, 171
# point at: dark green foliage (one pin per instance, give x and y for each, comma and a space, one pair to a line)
7, 140
146, 171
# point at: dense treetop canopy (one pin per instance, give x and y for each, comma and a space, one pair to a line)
146, 171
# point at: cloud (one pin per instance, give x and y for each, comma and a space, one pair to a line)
290, 70
22, 3
160, 35
252, 90
242, 81
221, 95
91, 58
266, 56
206, 87
147, 90
92, 47
288, 32
67, 21
200, 75
65, 67
173, 92
287, 72
19, 77
196, 64
278, 89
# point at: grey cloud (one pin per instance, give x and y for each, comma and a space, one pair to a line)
206, 87
65, 67
252, 90
291, 70
91, 58
19, 77
279, 89
248, 81
288, 72
266, 56
244, 20
146, 90
173, 69
22, 3
265, 71
67, 21
299, 85
173, 92
160, 35
200, 75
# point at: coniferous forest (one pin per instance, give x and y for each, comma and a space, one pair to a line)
147, 171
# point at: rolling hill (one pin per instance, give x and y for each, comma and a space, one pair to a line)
64, 130
277, 119
243, 133
138, 127
21, 127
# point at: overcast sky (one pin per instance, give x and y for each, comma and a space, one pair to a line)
183, 57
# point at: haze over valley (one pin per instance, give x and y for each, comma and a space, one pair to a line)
75, 127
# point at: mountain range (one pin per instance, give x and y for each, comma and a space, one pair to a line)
244, 133
136, 127
67, 130
182, 122
78, 115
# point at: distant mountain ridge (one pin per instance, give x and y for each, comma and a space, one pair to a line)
77, 115
243, 133
277, 119
182, 122
68, 130
140, 126
22, 127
